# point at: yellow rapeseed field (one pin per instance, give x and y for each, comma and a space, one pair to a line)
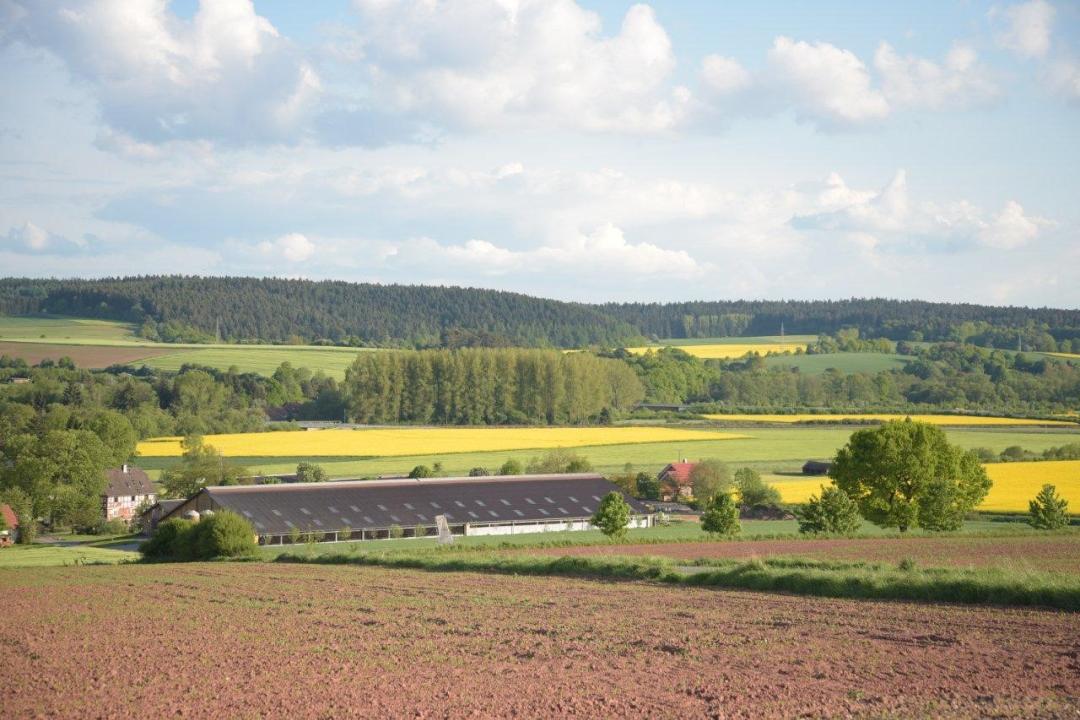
728, 351
1014, 484
396, 442
932, 419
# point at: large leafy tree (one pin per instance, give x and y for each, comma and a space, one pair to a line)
721, 516
201, 465
708, 478
906, 474
612, 516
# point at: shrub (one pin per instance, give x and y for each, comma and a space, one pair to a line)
170, 541
511, 467
421, 471
1049, 511
396, 531
721, 516
479, 472
224, 534
834, 512
612, 516
115, 526
310, 472
559, 460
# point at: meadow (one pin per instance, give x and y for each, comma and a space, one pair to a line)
844, 362
26, 556
955, 420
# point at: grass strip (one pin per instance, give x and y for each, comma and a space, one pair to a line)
981, 586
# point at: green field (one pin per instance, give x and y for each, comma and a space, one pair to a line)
782, 449
87, 342
21, 556
844, 362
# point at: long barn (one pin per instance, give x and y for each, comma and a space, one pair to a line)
373, 509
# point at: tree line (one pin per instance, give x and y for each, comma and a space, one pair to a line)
488, 387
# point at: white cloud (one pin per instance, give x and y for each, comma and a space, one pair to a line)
294, 247
1011, 228
484, 63
1063, 76
911, 81
29, 236
1028, 27
225, 74
826, 84
723, 75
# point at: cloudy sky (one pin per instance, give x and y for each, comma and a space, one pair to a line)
579, 149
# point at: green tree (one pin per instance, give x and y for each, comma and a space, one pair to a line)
905, 474
834, 513
612, 516
648, 486
224, 534
116, 433
559, 460
23, 506
721, 515
709, 478
1049, 511
753, 491
310, 472
199, 466
421, 471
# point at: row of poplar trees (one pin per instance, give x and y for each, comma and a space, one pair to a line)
488, 386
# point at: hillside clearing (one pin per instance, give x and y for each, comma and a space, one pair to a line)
955, 420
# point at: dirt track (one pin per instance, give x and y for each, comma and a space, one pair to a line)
84, 356
1059, 553
259, 640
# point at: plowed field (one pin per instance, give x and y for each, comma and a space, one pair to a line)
1055, 553
257, 640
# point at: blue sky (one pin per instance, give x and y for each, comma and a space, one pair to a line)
580, 150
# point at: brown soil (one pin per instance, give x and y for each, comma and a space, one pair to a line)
1059, 553
84, 356
260, 640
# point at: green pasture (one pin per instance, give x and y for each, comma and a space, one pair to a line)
781, 450
23, 556
844, 362
73, 331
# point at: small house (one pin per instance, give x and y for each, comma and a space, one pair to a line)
675, 481
10, 533
128, 489
816, 467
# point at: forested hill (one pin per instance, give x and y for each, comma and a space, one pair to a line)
196, 309
276, 310
874, 317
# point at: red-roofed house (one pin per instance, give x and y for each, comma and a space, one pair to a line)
128, 488
10, 533
675, 480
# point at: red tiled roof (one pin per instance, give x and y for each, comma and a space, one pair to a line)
132, 482
10, 518
678, 471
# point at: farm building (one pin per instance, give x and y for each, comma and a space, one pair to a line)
675, 480
372, 509
816, 467
151, 516
128, 488
9, 530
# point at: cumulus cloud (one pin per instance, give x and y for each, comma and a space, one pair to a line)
826, 84
1011, 228
29, 238
225, 74
294, 247
724, 75
483, 63
912, 81
1026, 28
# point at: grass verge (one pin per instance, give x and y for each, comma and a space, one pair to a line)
801, 577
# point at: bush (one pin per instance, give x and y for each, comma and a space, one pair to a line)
396, 531
721, 516
612, 516
170, 541
310, 472
559, 460
224, 534
834, 513
511, 467
479, 472
421, 471
115, 526
1049, 511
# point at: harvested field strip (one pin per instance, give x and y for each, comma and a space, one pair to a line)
388, 442
1047, 553
260, 640
824, 579
956, 420
84, 356
726, 351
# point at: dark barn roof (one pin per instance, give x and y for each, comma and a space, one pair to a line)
380, 504
127, 480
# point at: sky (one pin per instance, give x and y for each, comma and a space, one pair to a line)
588, 151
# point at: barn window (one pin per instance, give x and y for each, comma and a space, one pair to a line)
276, 512
572, 498
473, 515
543, 511
395, 518
448, 516
383, 508
492, 513
290, 523
563, 511
318, 522
354, 508
459, 503
368, 520
409, 507
422, 516
435, 505
596, 498
305, 511
481, 503
530, 501
246, 513
331, 508
549, 500
587, 509
347, 521
519, 513
505, 502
